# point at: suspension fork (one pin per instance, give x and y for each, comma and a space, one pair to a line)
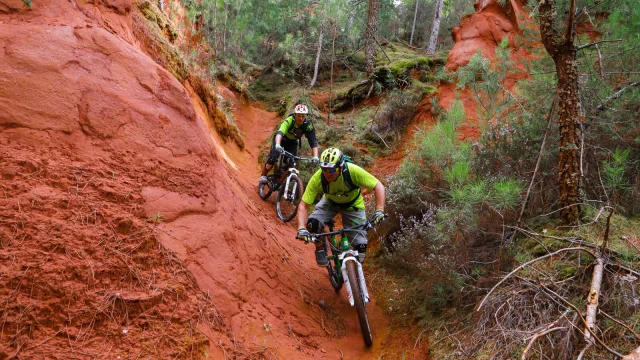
352, 255
292, 172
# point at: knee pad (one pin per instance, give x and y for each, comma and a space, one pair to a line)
314, 225
271, 160
362, 251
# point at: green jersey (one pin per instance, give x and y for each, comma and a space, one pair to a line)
339, 192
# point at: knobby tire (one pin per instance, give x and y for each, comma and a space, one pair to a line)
333, 272
286, 217
264, 190
361, 307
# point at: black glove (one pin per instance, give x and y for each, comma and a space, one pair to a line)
378, 217
304, 235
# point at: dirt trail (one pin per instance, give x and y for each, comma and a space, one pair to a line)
336, 318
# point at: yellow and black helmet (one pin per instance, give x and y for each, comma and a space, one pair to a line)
331, 157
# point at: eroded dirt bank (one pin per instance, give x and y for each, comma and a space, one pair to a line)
126, 227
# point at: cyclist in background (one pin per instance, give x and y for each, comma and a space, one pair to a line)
289, 134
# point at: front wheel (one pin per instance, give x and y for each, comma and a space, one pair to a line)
289, 198
361, 307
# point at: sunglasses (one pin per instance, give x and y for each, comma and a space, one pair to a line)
330, 170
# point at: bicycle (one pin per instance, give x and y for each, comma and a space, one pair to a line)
351, 274
286, 181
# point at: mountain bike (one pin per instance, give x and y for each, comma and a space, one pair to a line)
344, 268
286, 181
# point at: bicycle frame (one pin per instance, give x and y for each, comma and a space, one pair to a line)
282, 168
345, 255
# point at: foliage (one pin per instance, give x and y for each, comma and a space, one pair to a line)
443, 206
395, 114
614, 169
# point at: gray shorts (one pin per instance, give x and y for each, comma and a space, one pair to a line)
324, 212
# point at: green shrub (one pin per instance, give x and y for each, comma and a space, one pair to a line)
394, 116
613, 171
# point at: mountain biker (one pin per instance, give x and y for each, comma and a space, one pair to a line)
340, 181
287, 137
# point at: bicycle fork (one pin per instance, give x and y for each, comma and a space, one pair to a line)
345, 277
292, 173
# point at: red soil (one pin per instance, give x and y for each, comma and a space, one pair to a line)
128, 228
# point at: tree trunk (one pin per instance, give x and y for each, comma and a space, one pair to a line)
634, 355
315, 69
224, 31
413, 28
568, 165
334, 33
370, 40
563, 52
435, 28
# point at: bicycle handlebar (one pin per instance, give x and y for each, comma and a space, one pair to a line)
366, 227
288, 154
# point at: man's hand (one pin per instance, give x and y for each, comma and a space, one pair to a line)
279, 148
378, 217
315, 160
304, 235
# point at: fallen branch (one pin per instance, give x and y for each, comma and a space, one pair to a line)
569, 304
634, 355
536, 336
630, 243
596, 283
529, 263
573, 241
619, 323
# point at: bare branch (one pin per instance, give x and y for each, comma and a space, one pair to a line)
569, 304
536, 336
630, 243
619, 323
596, 43
571, 23
529, 263
616, 95
535, 171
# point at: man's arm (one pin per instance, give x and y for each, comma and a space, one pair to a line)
278, 138
302, 215
380, 196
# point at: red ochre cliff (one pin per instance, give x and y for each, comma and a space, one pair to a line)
125, 229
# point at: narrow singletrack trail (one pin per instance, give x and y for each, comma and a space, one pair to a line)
339, 335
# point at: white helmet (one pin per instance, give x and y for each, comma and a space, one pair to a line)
301, 109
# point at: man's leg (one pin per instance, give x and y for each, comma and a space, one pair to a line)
271, 159
322, 213
358, 239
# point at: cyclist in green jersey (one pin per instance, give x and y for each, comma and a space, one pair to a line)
288, 136
341, 182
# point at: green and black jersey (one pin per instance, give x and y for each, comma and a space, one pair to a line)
292, 132
339, 192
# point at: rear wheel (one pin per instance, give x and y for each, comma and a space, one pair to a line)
288, 199
361, 307
264, 190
